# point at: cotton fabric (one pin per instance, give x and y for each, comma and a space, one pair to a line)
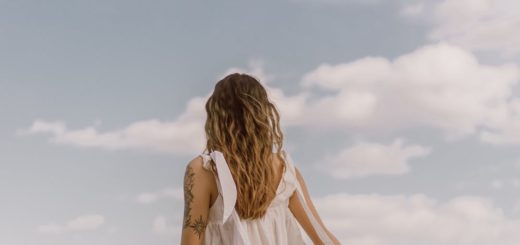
278, 226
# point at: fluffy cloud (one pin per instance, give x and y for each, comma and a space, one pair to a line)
487, 25
437, 86
168, 193
507, 130
81, 223
365, 159
373, 219
181, 136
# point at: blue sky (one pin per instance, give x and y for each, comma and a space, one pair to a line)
404, 116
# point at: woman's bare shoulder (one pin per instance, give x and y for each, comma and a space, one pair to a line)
198, 175
196, 165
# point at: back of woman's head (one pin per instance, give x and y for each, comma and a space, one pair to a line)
243, 124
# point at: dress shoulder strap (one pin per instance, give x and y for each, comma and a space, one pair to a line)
226, 184
324, 237
227, 188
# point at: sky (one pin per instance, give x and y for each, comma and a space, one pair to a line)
403, 116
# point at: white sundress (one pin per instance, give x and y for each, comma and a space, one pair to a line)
278, 226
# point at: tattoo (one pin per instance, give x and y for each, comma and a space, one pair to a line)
199, 225
188, 196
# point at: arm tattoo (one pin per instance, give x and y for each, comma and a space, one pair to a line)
188, 196
199, 225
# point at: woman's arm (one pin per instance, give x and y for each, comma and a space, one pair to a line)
299, 213
196, 203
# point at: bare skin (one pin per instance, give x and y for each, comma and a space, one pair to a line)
199, 184
200, 192
300, 215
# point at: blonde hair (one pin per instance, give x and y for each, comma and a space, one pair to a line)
244, 125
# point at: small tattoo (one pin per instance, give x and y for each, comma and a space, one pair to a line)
199, 226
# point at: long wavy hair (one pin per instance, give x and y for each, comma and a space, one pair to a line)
244, 125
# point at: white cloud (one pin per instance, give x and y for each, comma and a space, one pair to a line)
184, 135
486, 25
507, 130
437, 86
416, 219
81, 223
366, 159
167, 193
255, 67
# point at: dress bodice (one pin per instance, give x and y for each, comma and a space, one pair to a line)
278, 226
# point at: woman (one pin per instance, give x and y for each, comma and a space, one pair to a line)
244, 188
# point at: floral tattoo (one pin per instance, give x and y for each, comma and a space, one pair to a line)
199, 224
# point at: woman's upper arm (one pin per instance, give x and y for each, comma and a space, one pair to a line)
196, 203
299, 213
